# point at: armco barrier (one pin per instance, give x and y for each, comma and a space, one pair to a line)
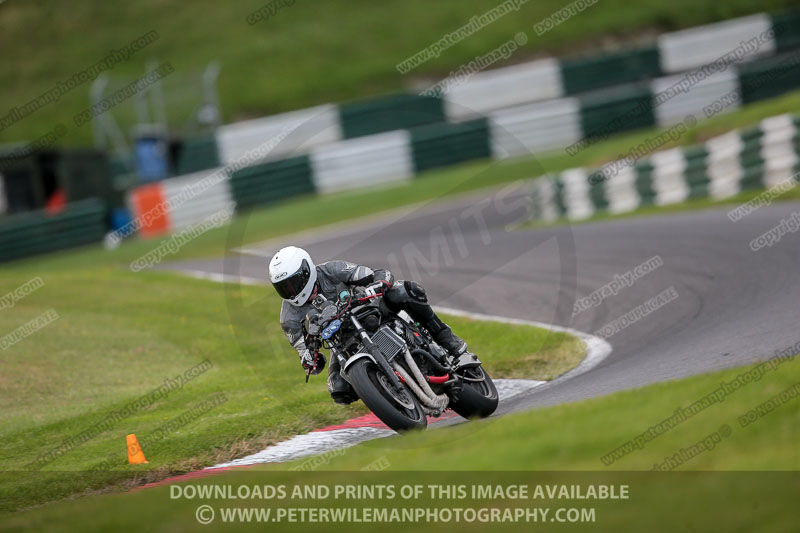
37, 232
721, 167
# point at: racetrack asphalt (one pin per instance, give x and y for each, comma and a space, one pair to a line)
733, 306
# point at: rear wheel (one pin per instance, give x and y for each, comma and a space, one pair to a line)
401, 410
478, 398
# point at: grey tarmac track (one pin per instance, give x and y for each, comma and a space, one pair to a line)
734, 305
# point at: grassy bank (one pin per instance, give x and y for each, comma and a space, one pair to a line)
120, 335
545, 443
306, 53
580, 436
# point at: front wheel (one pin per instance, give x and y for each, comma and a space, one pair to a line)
401, 411
478, 397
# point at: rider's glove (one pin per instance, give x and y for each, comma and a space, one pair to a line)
376, 289
311, 364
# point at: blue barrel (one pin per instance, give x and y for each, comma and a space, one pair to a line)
151, 158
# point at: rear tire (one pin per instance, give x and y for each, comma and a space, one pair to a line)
477, 398
374, 389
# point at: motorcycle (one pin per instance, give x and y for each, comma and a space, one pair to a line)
393, 363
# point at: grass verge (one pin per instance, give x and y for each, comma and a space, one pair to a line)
545, 443
578, 436
74, 385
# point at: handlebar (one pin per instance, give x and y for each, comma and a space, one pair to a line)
367, 298
323, 315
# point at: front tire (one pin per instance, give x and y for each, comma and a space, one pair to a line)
478, 398
401, 413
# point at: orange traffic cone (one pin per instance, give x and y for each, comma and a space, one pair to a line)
135, 454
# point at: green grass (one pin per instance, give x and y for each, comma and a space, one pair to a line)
307, 53
575, 436
121, 334
537, 447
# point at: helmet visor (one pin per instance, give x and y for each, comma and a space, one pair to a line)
290, 286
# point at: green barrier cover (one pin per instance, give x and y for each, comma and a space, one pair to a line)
597, 190
197, 154
37, 232
787, 29
644, 182
769, 77
273, 181
388, 113
610, 111
445, 144
596, 72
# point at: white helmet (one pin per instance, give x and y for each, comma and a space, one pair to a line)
293, 274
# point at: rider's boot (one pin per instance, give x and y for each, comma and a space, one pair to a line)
341, 391
445, 337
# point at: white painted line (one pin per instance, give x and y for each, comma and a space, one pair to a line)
315, 443
220, 278
508, 388
319, 442
597, 349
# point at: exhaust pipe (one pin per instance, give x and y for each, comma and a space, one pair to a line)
435, 404
420, 386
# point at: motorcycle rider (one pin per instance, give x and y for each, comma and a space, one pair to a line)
298, 281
